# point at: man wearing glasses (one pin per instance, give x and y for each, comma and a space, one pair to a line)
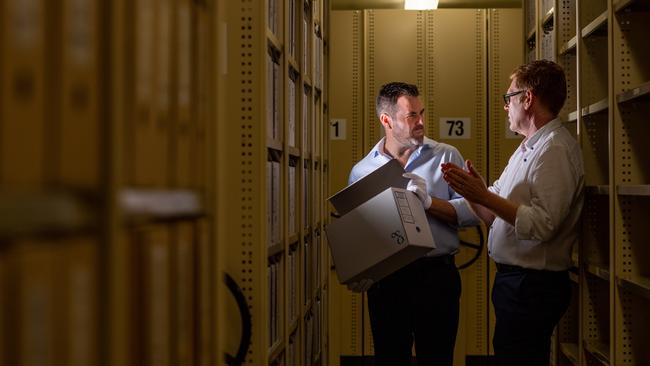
532, 211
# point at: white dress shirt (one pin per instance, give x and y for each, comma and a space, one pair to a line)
545, 176
425, 162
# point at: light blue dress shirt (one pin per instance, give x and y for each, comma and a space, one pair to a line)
425, 162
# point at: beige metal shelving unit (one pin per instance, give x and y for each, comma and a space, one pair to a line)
601, 46
274, 162
108, 123
133, 152
631, 182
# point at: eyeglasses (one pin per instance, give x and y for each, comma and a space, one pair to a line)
506, 97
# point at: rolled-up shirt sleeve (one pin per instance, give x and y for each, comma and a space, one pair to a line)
552, 188
464, 214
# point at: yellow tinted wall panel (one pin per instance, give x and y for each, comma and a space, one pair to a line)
346, 109
455, 90
22, 131
504, 55
346, 147
391, 56
80, 122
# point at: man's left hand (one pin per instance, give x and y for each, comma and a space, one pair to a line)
468, 184
418, 186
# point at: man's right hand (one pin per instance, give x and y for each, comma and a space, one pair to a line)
360, 286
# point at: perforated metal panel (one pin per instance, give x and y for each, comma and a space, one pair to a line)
566, 24
371, 131
456, 90
594, 67
567, 330
504, 56
459, 81
394, 52
631, 168
595, 317
595, 230
243, 213
347, 101
595, 148
346, 104
357, 90
565, 29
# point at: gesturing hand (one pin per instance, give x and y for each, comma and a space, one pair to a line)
468, 183
418, 186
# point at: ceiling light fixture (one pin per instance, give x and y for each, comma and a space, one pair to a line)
420, 4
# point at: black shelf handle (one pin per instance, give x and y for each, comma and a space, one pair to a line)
246, 320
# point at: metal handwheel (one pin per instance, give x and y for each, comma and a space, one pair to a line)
477, 247
245, 342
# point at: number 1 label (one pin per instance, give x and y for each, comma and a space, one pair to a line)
337, 129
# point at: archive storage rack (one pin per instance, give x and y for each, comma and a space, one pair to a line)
601, 46
274, 163
631, 179
107, 116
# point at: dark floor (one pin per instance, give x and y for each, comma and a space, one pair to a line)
369, 361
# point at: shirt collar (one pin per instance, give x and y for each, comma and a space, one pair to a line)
378, 150
529, 143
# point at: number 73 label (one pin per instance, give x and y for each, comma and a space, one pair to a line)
455, 128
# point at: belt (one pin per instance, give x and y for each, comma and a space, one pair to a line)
509, 268
439, 260
505, 268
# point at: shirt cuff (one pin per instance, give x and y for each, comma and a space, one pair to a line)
523, 223
465, 216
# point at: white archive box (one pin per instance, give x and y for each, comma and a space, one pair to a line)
381, 234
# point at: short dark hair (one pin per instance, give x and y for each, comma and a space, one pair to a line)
389, 93
546, 80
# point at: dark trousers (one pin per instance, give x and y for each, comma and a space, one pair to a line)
528, 304
420, 303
